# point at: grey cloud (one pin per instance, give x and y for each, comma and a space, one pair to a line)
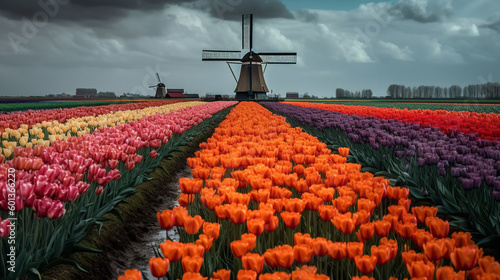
423, 11
307, 16
494, 24
233, 9
80, 10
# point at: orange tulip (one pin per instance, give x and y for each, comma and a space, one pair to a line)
391, 243
185, 199
191, 264
434, 250
211, 230
246, 275
272, 224
179, 213
363, 217
438, 227
337, 250
346, 223
251, 239
420, 269
343, 151
166, 219
366, 204
365, 264
367, 230
205, 241
291, 219
423, 212
354, 249
382, 228
282, 256
193, 276
397, 211
190, 186
343, 203
192, 250
382, 252
412, 256
131, 274
211, 201
462, 239
300, 238
298, 158
237, 213
201, 173
406, 231
327, 212
320, 246
420, 237
255, 226
405, 203
303, 253
221, 274
294, 205
172, 250
448, 273
193, 224
158, 267
239, 248
326, 194
465, 258
364, 277
396, 193
275, 276
299, 170
222, 211
301, 186
253, 262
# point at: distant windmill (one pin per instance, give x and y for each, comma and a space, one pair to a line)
161, 92
251, 63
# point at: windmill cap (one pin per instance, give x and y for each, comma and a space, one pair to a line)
255, 57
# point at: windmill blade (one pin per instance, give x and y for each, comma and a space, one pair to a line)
279, 58
158, 77
152, 86
247, 31
211, 55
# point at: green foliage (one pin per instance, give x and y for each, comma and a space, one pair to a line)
10, 107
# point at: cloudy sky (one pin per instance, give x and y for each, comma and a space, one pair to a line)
55, 46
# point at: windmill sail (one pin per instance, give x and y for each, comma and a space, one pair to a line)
247, 31
279, 58
210, 55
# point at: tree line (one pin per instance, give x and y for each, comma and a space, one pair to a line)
482, 91
345, 94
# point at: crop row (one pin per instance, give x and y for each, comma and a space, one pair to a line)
47, 132
450, 122
271, 201
58, 191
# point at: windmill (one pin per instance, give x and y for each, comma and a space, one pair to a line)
161, 92
251, 63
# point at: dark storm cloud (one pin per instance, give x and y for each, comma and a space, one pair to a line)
423, 11
233, 9
307, 16
494, 24
76, 10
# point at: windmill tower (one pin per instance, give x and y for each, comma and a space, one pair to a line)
251, 83
161, 91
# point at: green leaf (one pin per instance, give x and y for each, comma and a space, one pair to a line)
35, 272
84, 249
118, 214
59, 261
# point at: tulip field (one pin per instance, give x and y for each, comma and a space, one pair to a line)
280, 190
